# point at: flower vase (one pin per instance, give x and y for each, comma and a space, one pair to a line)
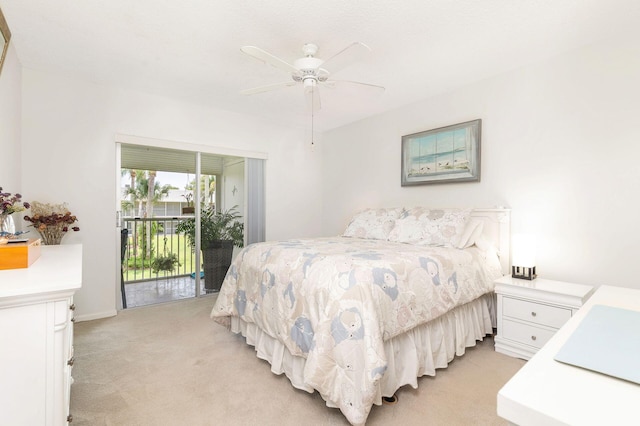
6, 224
51, 235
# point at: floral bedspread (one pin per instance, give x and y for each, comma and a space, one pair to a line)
335, 300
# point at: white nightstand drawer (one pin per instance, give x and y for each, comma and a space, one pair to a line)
527, 334
551, 316
530, 312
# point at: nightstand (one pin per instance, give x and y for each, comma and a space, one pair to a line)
530, 312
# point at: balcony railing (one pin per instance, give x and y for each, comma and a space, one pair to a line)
152, 240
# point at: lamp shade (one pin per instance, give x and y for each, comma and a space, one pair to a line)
523, 249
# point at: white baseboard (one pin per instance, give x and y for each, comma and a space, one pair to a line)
97, 315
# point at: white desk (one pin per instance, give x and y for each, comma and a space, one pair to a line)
547, 392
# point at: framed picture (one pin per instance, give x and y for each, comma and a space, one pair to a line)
444, 155
5, 36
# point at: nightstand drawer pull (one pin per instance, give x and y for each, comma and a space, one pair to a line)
525, 334
535, 313
69, 418
71, 361
72, 307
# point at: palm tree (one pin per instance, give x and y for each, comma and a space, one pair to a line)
132, 175
145, 190
207, 186
151, 187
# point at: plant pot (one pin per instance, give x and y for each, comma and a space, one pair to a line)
188, 210
217, 259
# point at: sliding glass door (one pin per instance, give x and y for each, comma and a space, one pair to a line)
170, 202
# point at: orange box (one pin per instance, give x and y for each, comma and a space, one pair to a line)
19, 255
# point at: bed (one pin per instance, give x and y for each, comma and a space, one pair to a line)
399, 294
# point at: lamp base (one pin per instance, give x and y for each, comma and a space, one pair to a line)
524, 272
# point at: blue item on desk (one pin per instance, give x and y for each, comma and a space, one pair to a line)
606, 341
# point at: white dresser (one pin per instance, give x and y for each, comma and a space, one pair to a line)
530, 312
36, 337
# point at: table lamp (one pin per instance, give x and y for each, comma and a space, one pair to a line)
524, 257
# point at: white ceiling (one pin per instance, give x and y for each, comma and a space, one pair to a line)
190, 49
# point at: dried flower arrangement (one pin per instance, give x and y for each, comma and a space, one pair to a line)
51, 221
11, 203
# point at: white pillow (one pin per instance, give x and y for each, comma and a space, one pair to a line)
372, 223
485, 245
471, 233
434, 227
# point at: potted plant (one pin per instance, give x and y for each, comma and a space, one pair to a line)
220, 231
189, 209
165, 263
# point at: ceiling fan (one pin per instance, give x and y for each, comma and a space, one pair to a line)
311, 72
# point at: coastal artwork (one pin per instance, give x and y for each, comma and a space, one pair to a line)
443, 155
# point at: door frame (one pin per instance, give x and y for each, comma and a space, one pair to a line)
169, 144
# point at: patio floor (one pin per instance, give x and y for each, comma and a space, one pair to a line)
160, 291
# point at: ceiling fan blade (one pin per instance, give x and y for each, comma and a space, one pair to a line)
354, 52
312, 95
267, 88
268, 58
332, 84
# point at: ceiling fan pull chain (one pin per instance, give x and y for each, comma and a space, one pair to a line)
312, 95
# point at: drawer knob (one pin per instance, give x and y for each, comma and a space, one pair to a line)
73, 307
533, 337
533, 314
71, 361
69, 418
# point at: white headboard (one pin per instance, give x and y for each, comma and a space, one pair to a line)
497, 229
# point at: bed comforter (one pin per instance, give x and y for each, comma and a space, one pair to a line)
334, 301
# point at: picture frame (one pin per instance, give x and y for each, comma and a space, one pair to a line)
444, 155
5, 37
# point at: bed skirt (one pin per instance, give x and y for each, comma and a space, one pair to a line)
413, 354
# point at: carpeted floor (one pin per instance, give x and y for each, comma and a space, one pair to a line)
171, 365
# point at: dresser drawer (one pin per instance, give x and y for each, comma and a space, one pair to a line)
551, 316
525, 333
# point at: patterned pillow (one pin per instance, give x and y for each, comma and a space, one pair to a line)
373, 223
433, 227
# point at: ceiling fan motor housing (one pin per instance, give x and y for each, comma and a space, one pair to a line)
310, 71
308, 64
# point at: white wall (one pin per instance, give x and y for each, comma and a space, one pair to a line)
69, 155
10, 125
233, 185
560, 146
233, 191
